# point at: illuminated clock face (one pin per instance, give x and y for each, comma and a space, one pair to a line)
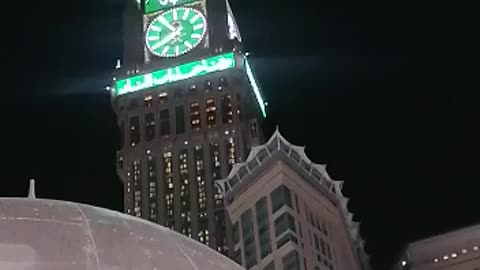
175, 32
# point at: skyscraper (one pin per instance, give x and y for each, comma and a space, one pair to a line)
188, 108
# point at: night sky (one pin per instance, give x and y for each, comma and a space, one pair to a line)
383, 92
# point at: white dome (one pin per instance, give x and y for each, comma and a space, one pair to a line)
37, 234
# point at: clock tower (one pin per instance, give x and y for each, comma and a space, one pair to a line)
188, 108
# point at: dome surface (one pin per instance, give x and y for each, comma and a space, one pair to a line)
37, 234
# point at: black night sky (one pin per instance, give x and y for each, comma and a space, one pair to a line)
383, 92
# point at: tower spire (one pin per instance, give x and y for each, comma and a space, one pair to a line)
31, 189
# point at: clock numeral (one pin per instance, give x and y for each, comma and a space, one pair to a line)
165, 50
187, 44
153, 38
155, 28
185, 14
194, 35
194, 18
198, 26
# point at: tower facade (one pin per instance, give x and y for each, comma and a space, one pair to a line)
188, 108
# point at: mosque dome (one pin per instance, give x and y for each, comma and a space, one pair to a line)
38, 234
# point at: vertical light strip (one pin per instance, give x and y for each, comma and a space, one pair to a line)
255, 87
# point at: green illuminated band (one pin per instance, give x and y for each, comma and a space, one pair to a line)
156, 5
256, 89
174, 74
186, 71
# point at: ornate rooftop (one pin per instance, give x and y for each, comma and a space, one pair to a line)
277, 147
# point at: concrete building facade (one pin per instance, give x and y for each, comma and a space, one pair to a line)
455, 250
287, 213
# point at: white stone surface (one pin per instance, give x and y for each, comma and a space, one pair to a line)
37, 234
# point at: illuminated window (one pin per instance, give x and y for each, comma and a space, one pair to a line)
164, 123
239, 105
203, 234
148, 99
152, 186
185, 211
169, 188
231, 153
227, 111
200, 176
129, 190
208, 85
195, 116
215, 161
163, 98
222, 83
211, 110
134, 130
192, 89
149, 126
201, 193
179, 119
475, 248
137, 188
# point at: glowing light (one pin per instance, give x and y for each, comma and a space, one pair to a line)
233, 31
255, 87
174, 74
404, 263
157, 5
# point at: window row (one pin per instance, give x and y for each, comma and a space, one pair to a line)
162, 124
454, 255
177, 93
